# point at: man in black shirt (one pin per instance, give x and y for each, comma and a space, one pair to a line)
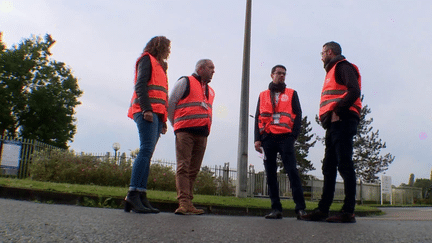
277, 126
339, 114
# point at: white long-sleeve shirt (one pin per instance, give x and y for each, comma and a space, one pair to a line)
176, 94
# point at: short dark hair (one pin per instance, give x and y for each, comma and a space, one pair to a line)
277, 66
334, 46
201, 63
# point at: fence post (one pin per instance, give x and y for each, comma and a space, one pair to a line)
26, 152
226, 172
312, 188
252, 180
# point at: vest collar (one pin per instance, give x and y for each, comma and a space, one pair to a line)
332, 62
277, 87
195, 75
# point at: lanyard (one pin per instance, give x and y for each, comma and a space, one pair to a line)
204, 102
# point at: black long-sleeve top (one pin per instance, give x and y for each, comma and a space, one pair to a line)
297, 121
141, 88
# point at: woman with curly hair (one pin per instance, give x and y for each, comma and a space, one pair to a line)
149, 111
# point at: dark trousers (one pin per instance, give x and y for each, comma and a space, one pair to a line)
285, 146
338, 157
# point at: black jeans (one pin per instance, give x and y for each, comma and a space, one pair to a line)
338, 156
285, 146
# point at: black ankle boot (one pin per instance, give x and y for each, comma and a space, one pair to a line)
146, 203
133, 202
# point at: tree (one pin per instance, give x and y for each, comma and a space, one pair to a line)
411, 180
302, 145
425, 184
37, 95
134, 153
367, 148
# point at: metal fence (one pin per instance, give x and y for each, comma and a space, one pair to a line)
15, 154
15, 157
257, 186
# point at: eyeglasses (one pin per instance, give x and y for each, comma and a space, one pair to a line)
322, 53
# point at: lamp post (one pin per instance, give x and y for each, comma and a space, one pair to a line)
242, 156
116, 147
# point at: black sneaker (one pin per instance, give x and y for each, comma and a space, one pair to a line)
301, 214
275, 214
342, 217
316, 215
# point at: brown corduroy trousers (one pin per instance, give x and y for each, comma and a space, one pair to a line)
190, 151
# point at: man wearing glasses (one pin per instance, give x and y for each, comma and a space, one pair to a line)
339, 114
277, 126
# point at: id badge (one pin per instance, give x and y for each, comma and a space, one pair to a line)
276, 118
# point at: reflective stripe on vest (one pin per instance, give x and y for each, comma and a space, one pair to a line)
283, 110
157, 90
332, 92
195, 110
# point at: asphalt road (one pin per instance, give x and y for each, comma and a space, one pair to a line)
23, 221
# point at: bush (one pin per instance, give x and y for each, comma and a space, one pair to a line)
225, 188
64, 166
423, 201
161, 178
205, 183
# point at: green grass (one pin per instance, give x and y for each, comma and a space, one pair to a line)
163, 196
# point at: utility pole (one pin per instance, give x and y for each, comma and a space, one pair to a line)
242, 156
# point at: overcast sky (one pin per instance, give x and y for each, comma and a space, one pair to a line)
389, 40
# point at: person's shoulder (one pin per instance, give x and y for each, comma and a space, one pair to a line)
183, 78
264, 92
144, 59
290, 91
344, 64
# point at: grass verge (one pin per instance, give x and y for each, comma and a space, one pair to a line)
161, 196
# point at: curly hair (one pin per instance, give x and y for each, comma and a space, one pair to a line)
159, 47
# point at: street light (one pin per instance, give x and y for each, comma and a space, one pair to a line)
116, 147
242, 156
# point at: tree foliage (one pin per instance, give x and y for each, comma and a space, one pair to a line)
368, 161
302, 145
411, 180
426, 186
37, 95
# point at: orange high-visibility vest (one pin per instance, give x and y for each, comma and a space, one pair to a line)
195, 110
157, 90
278, 119
332, 93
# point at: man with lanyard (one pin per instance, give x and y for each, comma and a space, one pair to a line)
277, 126
190, 113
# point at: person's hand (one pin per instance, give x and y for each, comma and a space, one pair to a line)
334, 117
258, 146
164, 128
148, 116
